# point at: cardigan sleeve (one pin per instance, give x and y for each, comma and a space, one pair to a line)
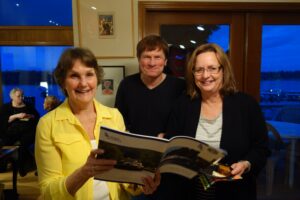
259, 150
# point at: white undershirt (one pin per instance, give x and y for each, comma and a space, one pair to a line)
101, 190
210, 131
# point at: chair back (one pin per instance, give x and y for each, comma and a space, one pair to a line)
275, 141
276, 145
288, 114
29, 100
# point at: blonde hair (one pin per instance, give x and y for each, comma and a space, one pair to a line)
51, 102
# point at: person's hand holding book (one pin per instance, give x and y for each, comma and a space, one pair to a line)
240, 167
151, 184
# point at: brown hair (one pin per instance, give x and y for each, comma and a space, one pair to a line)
150, 43
67, 60
228, 85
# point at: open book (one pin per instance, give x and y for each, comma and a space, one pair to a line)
138, 156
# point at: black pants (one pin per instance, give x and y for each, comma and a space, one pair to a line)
25, 141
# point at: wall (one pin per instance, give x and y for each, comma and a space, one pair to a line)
130, 64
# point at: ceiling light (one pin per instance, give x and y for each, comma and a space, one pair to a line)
94, 8
193, 41
200, 28
182, 46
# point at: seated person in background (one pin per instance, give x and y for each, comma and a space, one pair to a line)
18, 123
50, 103
67, 138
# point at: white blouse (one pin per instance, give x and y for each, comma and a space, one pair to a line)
101, 190
210, 131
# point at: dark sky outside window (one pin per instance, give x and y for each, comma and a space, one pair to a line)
280, 48
221, 37
35, 13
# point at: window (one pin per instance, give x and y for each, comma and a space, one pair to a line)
280, 73
33, 35
187, 38
30, 68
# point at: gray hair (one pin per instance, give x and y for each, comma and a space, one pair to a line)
14, 90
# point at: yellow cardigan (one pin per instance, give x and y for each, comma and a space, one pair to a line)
62, 146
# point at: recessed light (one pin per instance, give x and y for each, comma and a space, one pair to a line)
200, 28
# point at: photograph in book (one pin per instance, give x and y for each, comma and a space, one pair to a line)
139, 156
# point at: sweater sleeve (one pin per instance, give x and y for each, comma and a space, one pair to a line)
120, 102
259, 150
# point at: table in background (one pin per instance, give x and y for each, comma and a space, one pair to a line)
290, 131
11, 152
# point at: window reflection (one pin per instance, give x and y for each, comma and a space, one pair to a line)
183, 39
280, 73
30, 68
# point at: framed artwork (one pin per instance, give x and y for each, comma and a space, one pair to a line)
106, 27
107, 90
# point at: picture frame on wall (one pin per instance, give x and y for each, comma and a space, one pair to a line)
106, 27
107, 90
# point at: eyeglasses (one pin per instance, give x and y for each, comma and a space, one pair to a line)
211, 70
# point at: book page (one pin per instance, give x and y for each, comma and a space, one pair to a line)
137, 155
187, 156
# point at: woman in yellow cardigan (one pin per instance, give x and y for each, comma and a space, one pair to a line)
67, 137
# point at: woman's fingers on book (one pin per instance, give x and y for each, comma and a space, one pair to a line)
161, 135
157, 178
96, 152
238, 168
96, 165
151, 184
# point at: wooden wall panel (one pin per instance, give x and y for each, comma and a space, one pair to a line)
36, 35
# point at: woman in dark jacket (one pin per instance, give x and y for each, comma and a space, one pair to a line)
215, 113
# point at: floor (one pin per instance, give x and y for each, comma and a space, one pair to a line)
28, 186
281, 190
